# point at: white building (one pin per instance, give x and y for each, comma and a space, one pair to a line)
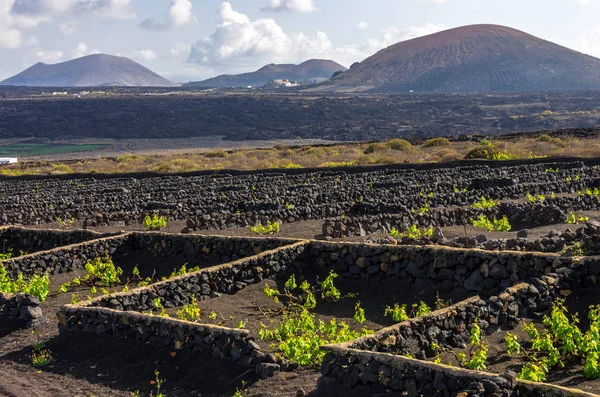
8, 160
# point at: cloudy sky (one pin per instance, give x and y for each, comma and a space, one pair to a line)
187, 40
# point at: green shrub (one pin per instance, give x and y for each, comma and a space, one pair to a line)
190, 312
373, 147
503, 155
558, 142
437, 142
490, 153
61, 169
485, 203
401, 145
155, 222
7, 255
502, 224
37, 285
299, 335
481, 152
499, 225
271, 228
289, 165
544, 138
102, 271
335, 164
216, 153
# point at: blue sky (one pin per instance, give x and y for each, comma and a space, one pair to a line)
187, 40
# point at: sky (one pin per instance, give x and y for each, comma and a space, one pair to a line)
189, 40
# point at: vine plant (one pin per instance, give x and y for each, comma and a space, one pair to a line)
560, 342
299, 335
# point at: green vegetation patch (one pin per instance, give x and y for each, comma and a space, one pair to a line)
41, 149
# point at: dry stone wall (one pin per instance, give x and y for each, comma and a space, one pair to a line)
127, 314
206, 283
449, 327
34, 240
199, 250
377, 360
474, 271
520, 215
63, 259
234, 199
22, 308
416, 378
163, 332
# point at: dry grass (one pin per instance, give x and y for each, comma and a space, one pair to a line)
308, 157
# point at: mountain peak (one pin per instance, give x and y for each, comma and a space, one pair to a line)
474, 58
88, 71
310, 70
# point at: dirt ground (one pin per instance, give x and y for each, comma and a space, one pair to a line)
252, 306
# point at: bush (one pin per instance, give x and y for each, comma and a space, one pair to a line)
155, 222
38, 286
401, 145
216, 153
481, 152
558, 142
271, 228
447, 154
437, 142
61, 169
544, 138
373, 147
129, 157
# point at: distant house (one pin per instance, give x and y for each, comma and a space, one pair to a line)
282, 83
8, 160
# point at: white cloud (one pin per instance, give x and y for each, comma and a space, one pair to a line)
180, 13
300, 6
9, 37
362, 25
19, 15
118, 9
239, 43
441, 1
67, 28
49, 56
82, 50
238, 40
583, 3
145, 55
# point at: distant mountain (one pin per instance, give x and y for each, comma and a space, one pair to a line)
477, 58
88, 71
309, 71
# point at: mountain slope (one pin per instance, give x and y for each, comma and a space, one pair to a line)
88, 71
313, 69
477, 58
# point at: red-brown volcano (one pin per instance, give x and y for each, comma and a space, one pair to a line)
477, 58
